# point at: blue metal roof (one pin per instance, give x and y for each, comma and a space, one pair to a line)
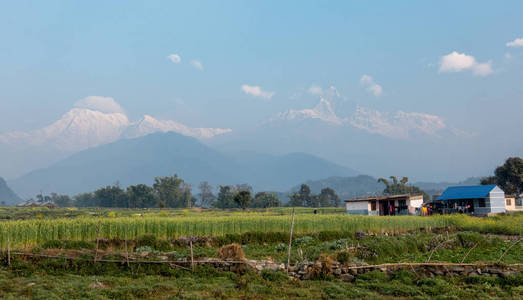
466, 192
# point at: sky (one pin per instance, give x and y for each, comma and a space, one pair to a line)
234, 64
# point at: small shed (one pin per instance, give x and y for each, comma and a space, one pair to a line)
385, 205
475, 199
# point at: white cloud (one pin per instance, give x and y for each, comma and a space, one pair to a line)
372, 87
256, 91
197, 64
515, 43
457, 62
397, 126
315, 90
99, 103
175, 58
508, 55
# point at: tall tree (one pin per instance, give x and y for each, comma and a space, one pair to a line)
398, 187
264, 200
141, 196
170, 191
109, 196
302, 197
206, 195
509, 176
328, 197
242, 199
61, 200
225, 197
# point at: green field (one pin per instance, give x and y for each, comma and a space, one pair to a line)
176, 223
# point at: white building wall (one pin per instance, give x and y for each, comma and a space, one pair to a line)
496, 201
357, 207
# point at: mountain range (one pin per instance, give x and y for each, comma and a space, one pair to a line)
79, 129
140, 160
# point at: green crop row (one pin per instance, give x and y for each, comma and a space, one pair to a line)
23, 233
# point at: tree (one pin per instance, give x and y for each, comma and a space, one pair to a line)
509, 176
61, 200
206, 196
328, 198
242, 199
171, 191
110, 196
244, 187
141, 196
85, 200
225, 197
302, 197
264, 200
401, 187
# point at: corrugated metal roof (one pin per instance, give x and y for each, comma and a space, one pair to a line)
466, 192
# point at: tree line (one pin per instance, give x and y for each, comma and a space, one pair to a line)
166, 192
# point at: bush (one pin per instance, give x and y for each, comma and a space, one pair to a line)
344, 257
163, 245
147, 240
274, 276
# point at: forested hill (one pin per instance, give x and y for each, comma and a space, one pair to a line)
7, 196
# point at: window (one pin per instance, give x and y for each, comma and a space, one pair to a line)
508, 201
373, 205
518, 202
481, 202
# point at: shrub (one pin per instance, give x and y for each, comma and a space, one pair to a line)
163, 245
147, 240
344, 257
274, 276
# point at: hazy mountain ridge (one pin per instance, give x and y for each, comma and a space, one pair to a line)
7, 195
133, 161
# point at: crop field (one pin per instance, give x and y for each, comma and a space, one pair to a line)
158, 223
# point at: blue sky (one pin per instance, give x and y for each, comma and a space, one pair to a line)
53, 53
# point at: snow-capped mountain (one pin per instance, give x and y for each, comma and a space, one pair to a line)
322, 111
148, 125
78, 129
81, 128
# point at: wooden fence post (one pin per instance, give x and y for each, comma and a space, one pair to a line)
97, 240
290, 242
126, 250
192, 257
8, 250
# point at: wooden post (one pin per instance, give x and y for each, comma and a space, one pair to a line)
290, 242
97, 241
126, 250
514, 244
192, 257
8, 250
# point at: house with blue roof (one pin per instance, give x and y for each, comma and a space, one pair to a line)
480, 200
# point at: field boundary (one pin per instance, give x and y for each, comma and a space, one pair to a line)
386, 265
